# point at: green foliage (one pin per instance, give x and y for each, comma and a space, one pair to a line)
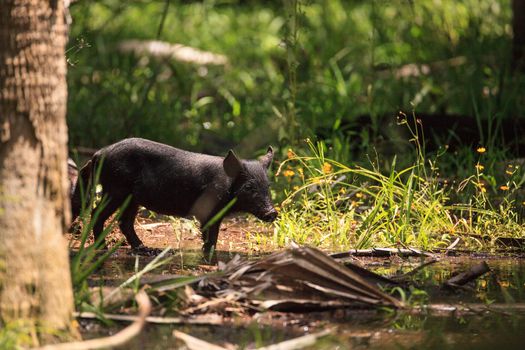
311, 64
22, 334
15, 334
90, 258
114, 95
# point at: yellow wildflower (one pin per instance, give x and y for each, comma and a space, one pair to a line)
359, 195
327, 168
509, 172
504, 188
481, 186
290, 153
480, 167
288, 173
481, 150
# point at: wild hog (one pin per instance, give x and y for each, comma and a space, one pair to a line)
175, 182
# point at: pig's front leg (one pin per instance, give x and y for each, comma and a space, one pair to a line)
126, 223
209, 236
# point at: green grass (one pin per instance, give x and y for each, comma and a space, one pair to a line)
338, 206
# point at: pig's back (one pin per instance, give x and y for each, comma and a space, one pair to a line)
156, 174
138, 152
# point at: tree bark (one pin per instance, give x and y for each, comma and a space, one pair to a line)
35, 281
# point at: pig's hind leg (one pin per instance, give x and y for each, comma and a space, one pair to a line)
127, 219
107, 209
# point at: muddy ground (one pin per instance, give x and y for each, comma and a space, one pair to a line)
236, 234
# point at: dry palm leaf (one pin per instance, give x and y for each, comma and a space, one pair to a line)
299, 279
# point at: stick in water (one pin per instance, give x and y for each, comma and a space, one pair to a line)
118, 339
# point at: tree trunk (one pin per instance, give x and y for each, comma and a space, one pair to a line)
518, 28
35, 281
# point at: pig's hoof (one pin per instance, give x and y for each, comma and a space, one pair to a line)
209, 254
145, 251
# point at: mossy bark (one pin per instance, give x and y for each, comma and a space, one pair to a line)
35, 282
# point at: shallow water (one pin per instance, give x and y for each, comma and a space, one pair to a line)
361, 329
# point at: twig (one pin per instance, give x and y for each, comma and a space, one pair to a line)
467, 276
195, 343
297, 343
454, 244
115, 340
413, 271
163, 19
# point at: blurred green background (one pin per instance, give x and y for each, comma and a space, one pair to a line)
336, 70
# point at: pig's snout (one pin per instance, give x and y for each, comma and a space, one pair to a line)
270, 215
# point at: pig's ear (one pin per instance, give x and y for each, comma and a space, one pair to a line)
231, 164
266, 160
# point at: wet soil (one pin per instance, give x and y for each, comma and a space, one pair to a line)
351, 329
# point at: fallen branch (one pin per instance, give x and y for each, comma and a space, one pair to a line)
465, 309
209, 319
174, 51
115, 340
381, 252
467, 276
